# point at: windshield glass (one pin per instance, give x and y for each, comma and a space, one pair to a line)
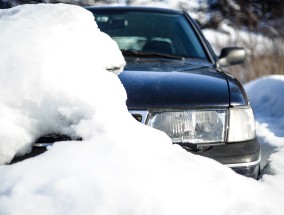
148, 31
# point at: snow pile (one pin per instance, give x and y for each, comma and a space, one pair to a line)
266, 96
122, 167
41, 77
268, 91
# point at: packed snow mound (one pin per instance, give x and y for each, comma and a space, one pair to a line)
44, 60
266, 97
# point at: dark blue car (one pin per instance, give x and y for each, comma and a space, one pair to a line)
174, 83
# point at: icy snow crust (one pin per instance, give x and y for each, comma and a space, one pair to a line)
54, 79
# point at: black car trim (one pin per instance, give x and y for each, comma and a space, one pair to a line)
201, 38
240, 152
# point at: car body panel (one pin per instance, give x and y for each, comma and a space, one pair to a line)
197, 86
238, 95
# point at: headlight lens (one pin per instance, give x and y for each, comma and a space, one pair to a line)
241, 124
205, 126
191, 126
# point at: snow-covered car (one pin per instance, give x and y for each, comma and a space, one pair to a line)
174, 83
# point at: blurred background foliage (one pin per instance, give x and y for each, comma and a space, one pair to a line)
263, 18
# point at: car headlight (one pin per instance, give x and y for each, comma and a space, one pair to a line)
241, 124
192, 126
205, 126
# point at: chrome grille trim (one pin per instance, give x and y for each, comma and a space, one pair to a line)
144, 114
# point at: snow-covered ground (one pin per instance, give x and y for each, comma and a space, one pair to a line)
53, 78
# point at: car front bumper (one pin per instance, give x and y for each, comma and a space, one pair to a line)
242, 157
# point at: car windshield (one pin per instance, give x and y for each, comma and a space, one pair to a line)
150, 33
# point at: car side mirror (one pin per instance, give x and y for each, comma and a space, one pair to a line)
231, 56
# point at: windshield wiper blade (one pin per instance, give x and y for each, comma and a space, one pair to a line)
136, 53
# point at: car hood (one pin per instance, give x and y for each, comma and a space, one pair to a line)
174, 84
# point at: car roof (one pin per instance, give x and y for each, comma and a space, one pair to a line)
136, 8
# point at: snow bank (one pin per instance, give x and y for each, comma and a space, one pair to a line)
41, 77
267, 99
53, 78
266, 96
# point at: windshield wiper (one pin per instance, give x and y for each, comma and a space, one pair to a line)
136, 53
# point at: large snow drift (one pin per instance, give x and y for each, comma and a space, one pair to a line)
54, 79
52, 63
